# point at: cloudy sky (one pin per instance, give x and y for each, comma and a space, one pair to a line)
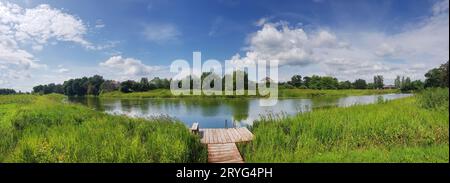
50, 41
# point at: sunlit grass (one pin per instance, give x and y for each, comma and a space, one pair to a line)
43, 129
396, 131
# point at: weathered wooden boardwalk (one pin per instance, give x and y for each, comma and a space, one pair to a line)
221, 143
225, 135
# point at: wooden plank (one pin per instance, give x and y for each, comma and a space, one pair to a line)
227, 137
215, 137
219, 136
207, 136
241, 138
248, 134
221, 143
224, 153
244, 134
230, 135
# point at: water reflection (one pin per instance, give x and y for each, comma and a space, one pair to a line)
219, 113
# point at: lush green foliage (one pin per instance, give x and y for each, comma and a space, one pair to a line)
5, 91
434, 98
378, 82
393, 131
437, 77
360, 84
96, 84
44, 129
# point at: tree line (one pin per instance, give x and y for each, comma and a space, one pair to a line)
95, 85
331, 83
6, 91
437, 77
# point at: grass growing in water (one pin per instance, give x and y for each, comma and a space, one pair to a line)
43, 129
395, 131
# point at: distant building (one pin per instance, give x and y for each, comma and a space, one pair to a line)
389, 87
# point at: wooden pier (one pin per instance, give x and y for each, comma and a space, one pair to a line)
221, 143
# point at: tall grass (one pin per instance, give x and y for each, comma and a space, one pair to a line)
46, 130
434, 98
393, 131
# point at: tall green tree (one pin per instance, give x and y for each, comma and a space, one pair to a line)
360, 84
397, 82
378, 82
296, 80
437, 77
345, 85
7, 91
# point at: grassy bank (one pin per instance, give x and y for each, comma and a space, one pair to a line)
413, 129
45, 129
283, 93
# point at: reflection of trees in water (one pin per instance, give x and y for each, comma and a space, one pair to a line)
90, 102
94, 103
239, 108
208, 107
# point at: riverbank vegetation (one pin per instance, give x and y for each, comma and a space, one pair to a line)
413, 129
45, 129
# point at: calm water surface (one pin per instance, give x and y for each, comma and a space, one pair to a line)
219, 113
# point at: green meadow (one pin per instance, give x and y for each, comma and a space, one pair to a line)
413, 129
47, 129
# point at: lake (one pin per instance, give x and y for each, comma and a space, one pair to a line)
220, 112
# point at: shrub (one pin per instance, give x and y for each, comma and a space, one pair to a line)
434, 98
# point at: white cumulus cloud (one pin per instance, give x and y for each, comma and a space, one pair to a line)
128, 66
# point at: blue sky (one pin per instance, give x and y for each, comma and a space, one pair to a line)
50, 41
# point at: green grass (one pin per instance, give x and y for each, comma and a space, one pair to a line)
396, 131
283, 93
45, 129
435, 98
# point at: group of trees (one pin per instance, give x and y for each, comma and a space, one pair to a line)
96, 84
437, 77
313, 82
144, 85
328, 82
405, 84
80, 87
6, 91
50, 88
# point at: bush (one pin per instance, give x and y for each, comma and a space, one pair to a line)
434, 98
